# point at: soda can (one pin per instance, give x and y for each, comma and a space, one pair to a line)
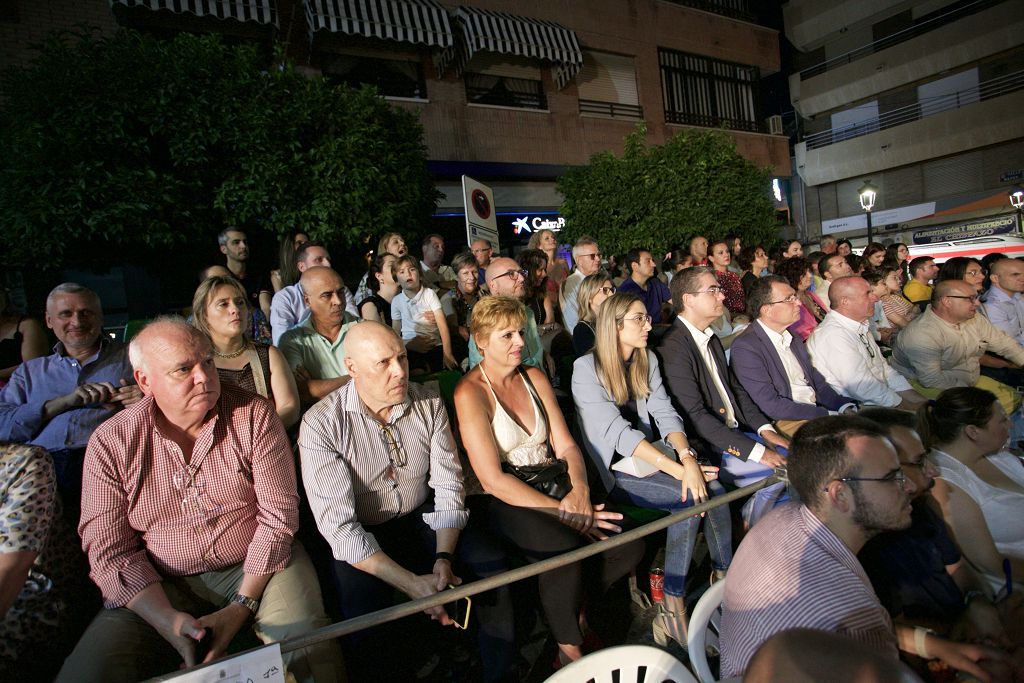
657, 584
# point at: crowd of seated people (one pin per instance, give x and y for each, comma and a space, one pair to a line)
171, 459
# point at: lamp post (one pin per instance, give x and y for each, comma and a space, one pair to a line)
868, 193
1017, 200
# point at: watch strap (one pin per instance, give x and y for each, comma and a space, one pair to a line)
251, 604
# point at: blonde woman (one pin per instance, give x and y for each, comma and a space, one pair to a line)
509, 420
390, 243
620, 401
220, 310
558, 269
591, 294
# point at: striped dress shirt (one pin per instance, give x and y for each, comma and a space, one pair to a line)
791, 571
147, 514
357, 475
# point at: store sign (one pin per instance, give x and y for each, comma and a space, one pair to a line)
967, 230
535, 223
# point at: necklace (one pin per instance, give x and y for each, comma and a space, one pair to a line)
233, 354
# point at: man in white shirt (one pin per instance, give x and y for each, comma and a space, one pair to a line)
289, 308
720, 416
844, 352
436, 274
586, 257
1004, 305
773, 365
831, 268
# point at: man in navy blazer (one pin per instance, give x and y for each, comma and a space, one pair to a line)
773, 365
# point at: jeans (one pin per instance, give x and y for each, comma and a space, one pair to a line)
663, 492
739, 473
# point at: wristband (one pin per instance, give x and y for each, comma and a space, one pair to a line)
919, 641
443, 556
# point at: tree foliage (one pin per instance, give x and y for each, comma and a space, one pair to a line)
112, 144
658, 197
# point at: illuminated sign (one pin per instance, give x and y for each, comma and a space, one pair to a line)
776, 189
526, 224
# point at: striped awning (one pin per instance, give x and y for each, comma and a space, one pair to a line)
422, 22
259, 11
488, 31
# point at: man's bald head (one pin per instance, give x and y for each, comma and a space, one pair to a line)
852, 297
367, 335
318, 275
955, 301
504, 278
1008, 275
153, 340
376, 360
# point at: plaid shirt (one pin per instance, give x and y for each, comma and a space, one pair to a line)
146, 513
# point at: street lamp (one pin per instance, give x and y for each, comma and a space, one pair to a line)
1017, 200
868, 193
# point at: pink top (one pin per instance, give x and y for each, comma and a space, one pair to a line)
146, 513
807, 322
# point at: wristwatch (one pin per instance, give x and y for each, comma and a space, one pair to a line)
244, 600
688, 452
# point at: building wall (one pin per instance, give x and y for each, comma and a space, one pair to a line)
24, 23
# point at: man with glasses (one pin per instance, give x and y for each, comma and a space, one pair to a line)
586, 258
919, 574
506, 278
482, 251
773, 365
942, 348
721, 418
645, 285
846, 354
799, 568
189, 514
384, 482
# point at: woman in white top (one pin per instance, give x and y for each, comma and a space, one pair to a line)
508, 416
981, 486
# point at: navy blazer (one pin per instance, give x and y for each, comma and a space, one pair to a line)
756, 363
697, 400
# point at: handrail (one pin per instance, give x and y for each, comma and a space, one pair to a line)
995, 87
406, 609
897, 38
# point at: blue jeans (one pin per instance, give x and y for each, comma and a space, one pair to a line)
662, 492
739, 473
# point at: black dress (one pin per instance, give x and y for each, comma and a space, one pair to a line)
583, 337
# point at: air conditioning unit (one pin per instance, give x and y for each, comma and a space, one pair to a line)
774, 124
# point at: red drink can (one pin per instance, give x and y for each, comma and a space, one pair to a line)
657, 584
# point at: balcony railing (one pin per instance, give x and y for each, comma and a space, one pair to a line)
505, 92
737, 9
965, 9
614, 110
996, 87
707, 121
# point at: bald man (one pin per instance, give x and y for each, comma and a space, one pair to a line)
189, 514
384, 482
504, 277
844, 351
942, 348
1004, 305
315, 347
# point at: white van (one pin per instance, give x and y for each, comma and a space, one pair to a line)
975, 247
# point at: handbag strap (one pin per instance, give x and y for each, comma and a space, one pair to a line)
258, 378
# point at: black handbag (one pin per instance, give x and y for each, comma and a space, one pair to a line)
551, 478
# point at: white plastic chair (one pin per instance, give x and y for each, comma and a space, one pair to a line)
703, 630
600, 667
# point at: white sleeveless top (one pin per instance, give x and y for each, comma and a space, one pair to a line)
515, 446
1002, 509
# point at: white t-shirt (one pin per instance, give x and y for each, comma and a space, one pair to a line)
412, 314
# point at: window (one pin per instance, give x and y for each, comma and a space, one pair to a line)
607, 86
391, 77
700, 91
504, 80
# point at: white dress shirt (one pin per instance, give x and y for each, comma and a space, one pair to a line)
849, 359
567, 299
799, 386
702, 338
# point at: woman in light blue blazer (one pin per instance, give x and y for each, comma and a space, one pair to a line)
637, 442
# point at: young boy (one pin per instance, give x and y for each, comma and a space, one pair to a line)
416, 315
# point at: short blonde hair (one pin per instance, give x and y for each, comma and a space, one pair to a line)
202, 299
494, 313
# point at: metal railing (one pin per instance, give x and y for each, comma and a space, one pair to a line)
343, 628
736, 9
504, 91
906, 34
615, 110
996, 87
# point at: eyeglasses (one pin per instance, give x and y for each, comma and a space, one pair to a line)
607, 290
640, 320
870, 349
791, 299
975, 272
396, 454
713, 290
512, 275
596, 255
972, 297
922, 461
897, 476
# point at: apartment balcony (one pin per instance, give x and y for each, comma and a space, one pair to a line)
954, 123
865, 73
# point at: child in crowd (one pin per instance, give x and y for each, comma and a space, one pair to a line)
417, 316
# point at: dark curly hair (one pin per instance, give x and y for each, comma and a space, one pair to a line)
793, 269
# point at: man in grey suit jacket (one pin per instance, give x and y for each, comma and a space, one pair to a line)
773, 365
720, 416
